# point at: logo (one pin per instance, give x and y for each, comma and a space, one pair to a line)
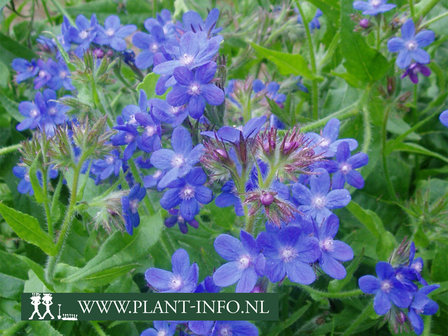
46, 300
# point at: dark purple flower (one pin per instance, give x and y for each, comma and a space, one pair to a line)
188, 192
25, 69
373, 7
246, 262
229, 197
318, 200
444, 118
364, 23
233, 134
194, 50
183, 278
386, 288
234, 328
44, 113
179, 161
332, 251
130, 204
113, 34
414, 69
195, 89
409, 45
421, 304
83, 34
289, 252
176, 218
344, 167
161, 328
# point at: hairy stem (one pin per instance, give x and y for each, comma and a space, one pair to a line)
9, 149
368, 310
435, 19
390, 186
336, 295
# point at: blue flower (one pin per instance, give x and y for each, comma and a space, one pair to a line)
43, 77
386, 288
188, 192
113, 34
195, 89
151, 181
234, 328
194, 50
176, 218
289, 252
271, 90
127, 136
314, 23
208, 286
344, 167
179, 161
414, 69
233, 135
60, 75
229, 197
150, 44
25, 69
246, 262
130, 204
183, 278
193, 22
373, 7
332, 251
165, 113
24, 186
421, 304
83, 34
161, 328
44, 113
326, 144
409, 45
318, 200
104, 168
444, 118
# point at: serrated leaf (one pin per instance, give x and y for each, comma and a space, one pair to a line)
118, 254
27, 227
287, 64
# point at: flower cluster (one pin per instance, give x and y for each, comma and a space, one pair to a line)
397, 292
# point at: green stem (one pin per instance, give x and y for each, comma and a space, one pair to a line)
66, 224
378, 34
97, 328
429, 5
390, 186
342, 114
427, 330
314, 88
368, 310
9, 149
46, 205
367, 131
435, 19
337, 295
412, 9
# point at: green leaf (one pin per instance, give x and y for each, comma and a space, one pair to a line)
10, 49
36, 268
412, 148
4, 79
287, 64
368, 218
11, 107
27, 227
120, 251
361, 61
43, 328
439, 267
149, 85
37, 189
12, 276
385, 245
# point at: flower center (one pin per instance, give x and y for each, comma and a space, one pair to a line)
42, 73
154, 47
83, 34
150, 130
319, 202
133, 205
27, 177
386, 286
417, 266
110, 32
161, 333
52, 111
325, 142
157, 174
34, 113
288, 254
345, 168
244, 261
175, 109
110, 160
225, 332
128, 138
63, 74
180, 219
176, 282
411, 45
187, 193
178, 160
194, 89
376, 3
187, 59
132, 119
327, 244
30, 68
